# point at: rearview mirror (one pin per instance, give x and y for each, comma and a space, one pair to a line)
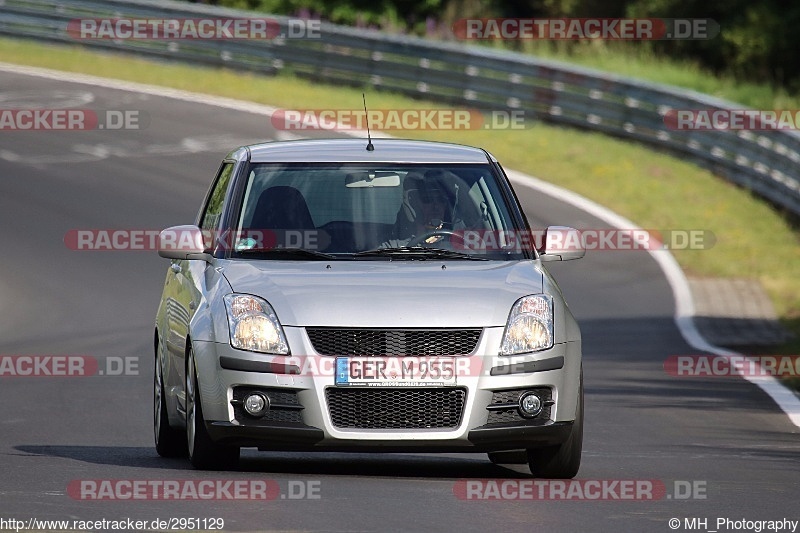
562, 243
374, 178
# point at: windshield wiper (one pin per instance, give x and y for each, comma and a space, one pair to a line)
288, 253
421, 252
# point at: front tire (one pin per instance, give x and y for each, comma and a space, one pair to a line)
563, 460
204, 453
170, 442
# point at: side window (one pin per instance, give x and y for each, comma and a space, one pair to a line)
213, 211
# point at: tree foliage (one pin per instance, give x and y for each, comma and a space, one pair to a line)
757, 39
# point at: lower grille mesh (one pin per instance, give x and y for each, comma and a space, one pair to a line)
395, 408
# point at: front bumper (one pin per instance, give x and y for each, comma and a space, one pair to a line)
222, 369
279, 437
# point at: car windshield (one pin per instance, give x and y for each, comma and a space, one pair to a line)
303, 211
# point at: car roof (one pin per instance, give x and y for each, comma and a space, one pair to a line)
354, 150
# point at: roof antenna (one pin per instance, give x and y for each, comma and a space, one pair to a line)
370, 147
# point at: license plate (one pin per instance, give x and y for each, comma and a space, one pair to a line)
395, 371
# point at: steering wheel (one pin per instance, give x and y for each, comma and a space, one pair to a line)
420, 240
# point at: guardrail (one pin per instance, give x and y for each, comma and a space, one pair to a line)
765, 162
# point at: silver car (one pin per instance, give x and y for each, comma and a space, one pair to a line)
344, 296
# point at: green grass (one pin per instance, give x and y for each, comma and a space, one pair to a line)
655, 190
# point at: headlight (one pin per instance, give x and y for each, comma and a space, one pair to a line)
253, 325
530, 326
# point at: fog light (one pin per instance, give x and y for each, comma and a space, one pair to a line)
256, 404
530, 405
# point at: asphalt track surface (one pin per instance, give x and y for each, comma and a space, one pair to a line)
723, 435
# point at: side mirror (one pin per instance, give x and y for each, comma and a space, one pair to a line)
182, 242
562, 243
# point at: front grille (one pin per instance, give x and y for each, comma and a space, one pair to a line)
512, 397
284, 406
396, 408
399, 342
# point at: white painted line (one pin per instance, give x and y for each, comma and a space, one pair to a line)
684, 305
154, 90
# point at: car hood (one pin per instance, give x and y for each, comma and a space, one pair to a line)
387, 293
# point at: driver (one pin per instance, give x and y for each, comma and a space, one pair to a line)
425, 209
